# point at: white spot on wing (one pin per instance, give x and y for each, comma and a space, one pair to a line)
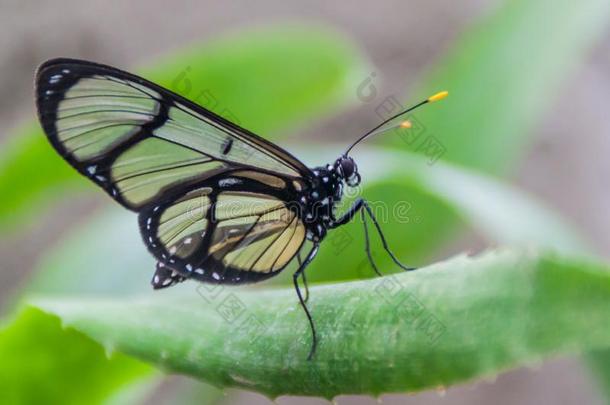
91, 169
215, 276
189, 267
228, 182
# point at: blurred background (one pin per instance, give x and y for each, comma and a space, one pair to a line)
564, 162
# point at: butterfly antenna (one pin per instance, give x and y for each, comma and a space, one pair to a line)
405, 124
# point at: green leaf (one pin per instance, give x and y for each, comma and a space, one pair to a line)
448, 323
503, 75
45, 364
263, 79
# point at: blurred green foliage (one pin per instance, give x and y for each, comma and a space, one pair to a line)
504, 74
42, 363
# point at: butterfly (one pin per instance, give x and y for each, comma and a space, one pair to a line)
216, 203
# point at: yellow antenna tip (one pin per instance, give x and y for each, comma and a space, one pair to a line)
406, 124
438, 96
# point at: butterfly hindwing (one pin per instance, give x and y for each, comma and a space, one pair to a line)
138, 140
231, 228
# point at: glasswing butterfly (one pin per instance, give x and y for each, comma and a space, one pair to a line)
216, 203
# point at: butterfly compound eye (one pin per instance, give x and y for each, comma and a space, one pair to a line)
347, 167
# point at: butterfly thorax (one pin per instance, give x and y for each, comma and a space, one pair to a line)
317, 201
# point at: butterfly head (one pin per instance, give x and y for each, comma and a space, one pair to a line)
348, 170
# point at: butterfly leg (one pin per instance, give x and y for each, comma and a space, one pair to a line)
300, 261
361, 205
367, 243
369, 211
295, 279
165, 277
348, 216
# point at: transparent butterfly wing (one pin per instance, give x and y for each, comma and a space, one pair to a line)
138, 140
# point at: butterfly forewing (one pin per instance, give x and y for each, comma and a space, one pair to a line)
138, 140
